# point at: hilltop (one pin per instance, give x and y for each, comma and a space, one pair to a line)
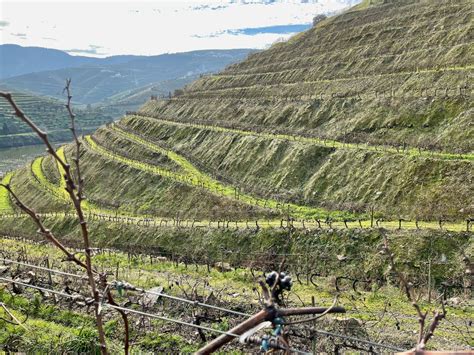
18, 60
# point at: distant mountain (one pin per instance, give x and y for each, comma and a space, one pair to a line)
17, 60
95, 80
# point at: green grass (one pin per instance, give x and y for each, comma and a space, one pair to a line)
400, 185
291, 85
410, 152
62, 172
321, 176
196, 178
37, 171
5, 205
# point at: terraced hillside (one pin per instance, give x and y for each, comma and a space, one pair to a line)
50, 115
367, 115
395, 74
369, 109
343, 156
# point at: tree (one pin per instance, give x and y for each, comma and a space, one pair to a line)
318, 18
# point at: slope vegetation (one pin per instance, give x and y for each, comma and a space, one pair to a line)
395, 74
366, 114
369, 109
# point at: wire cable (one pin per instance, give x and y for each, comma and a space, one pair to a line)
195, 303
59, 272
175, 298
145, 314
368, 342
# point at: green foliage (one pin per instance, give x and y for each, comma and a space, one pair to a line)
331, 252
362, 89
308, 173
193, 171
159, 343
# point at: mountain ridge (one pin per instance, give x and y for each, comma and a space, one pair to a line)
19, 60
99, 80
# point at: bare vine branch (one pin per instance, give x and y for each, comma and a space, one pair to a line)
41, 228
76, 197
72, 116
423, 335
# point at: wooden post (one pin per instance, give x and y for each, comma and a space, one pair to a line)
50, 279
372, 217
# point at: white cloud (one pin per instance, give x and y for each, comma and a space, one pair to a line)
154, 27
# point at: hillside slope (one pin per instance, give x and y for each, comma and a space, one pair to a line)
397, 73
18, 60
51, 115
368, 111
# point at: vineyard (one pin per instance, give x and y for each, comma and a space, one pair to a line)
183, 172
362, 77
322, 188
49, 114
178, 281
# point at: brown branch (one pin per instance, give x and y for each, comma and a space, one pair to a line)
123, 314
72, 116
438, 317
266, 294
309, 310
423, 336
328, 310
71, 188
240, 329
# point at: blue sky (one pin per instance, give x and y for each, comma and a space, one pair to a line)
111, 27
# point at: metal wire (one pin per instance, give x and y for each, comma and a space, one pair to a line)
121, 308
39, 288
59, 272
184, 300
145, 314
200, 304
368, 342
